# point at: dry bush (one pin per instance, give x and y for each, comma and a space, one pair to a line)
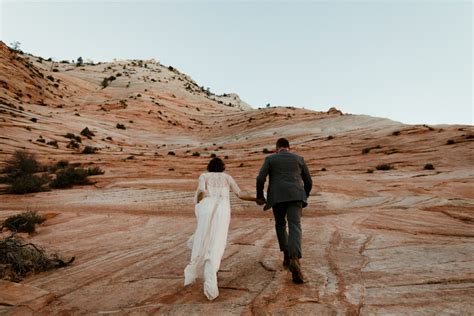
23, 223
19, 259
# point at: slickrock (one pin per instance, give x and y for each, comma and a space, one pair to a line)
399, 241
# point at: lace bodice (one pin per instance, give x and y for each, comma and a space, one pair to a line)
216, 184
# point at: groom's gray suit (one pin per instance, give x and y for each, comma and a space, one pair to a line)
288, 190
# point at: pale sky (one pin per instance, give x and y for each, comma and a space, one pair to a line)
410, 61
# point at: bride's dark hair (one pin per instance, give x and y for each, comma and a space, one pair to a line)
216, 165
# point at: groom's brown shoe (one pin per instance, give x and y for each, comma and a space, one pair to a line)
295, 269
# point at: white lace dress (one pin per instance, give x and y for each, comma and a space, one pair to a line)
210, 238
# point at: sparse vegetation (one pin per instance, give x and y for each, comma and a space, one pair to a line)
120, 126
34, 119
330, 137
196, 154
171, 153
450, 142
266, 151
69, 177
384, 167
89, 150
396, 133
86, 132
23, 223
53, 143
18, 259
429, 166
370, 170
73, 144
73, 137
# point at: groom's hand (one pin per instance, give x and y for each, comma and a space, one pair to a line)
261, 201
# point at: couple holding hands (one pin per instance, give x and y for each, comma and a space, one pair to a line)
288, 190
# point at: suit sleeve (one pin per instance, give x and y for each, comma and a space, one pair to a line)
261, 178
306, 176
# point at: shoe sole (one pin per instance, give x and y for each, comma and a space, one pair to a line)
296, 273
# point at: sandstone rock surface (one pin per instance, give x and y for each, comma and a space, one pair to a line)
380, 242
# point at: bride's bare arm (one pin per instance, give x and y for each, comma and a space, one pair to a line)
247, 197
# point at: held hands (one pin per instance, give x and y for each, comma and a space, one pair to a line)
261, 201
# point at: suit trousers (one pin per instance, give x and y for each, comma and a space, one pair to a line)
289, 211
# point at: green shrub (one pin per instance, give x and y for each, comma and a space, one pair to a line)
171, 153
429, 166
366, 150
266, 151
28, 183
384, 167
370, 170
70, 176
61, 164
21, 163
73, 144
73, 137
53, 143
87, 133
120, 126
196, 154
23, 223
89, 150
450, 142
396, 133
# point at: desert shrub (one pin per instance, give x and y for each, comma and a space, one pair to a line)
171, 153
41, 140
196, 154
429, 166
450, 142
21, 163
213, 155
323, 169
366, 150
120, 126
330, 137
226, 157
23, 223
61, 164
396, 133
50, 77
55, 70
28, 183
384, 167
70, 176
370, 170
53, 143
34, 119
241, 164
73, 137
93, 171
18, 259
73, 144
87, 133
265, 151
89, 150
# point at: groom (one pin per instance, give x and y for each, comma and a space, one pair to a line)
288, 190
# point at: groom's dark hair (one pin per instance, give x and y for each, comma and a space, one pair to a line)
283, 143
216, 165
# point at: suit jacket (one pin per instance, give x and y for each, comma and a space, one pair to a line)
289, 179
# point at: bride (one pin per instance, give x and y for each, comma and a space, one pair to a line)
213, 216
